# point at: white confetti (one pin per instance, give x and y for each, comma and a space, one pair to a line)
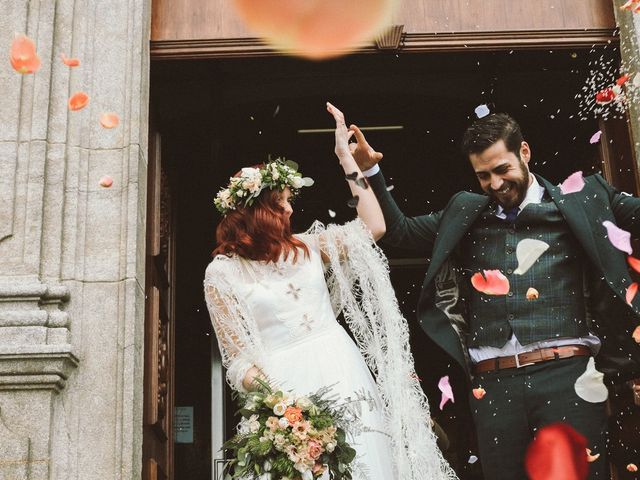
390, 187
473, 459
332, 214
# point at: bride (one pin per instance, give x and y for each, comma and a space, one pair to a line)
273, 298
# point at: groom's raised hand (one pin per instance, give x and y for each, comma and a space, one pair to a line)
366, 157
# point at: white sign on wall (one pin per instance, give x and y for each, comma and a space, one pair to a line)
183, 425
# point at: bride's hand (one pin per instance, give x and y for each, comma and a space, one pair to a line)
343, 134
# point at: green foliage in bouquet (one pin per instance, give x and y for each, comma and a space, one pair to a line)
282, 437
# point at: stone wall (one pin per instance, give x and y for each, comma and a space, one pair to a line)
71, 251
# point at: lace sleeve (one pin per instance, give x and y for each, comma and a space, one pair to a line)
231, 322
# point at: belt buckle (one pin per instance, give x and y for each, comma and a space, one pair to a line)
518, 364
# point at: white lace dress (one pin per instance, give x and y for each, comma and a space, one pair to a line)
308, 349
282, 319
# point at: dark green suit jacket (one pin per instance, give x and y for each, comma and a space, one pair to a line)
442, 308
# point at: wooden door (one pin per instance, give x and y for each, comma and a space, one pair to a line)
159, 321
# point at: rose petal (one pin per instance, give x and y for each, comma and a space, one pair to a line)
556, 453
69, 62
532, 294
636, 80
632, 467
479, 393
23, 55
592, 458
482, 111
589, 386
636, 334
528, 251
605, 96
492, 283
623, 79
634, 263
631, 292
573, 183
78, 101
621, 239
595, 138
390, 187
316, 29
109, 120
332, 214
627, 5
106, 181
447, 392
472, 459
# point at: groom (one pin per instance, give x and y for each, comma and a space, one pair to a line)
526, 352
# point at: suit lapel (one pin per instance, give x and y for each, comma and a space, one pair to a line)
459, 221
575, 215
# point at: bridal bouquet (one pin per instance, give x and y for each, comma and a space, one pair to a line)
283, 437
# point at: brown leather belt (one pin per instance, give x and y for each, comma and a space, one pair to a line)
531, 358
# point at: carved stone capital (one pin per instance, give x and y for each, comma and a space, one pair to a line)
46, 367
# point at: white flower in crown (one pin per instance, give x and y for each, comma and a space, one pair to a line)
297, 182
225, 197
251, 179
243, 189
279, 408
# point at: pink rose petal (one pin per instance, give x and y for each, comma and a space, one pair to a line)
632, 290
595, 138
574, 183
447, 392
106, 181
621, 239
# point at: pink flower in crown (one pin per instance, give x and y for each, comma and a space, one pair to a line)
315, 449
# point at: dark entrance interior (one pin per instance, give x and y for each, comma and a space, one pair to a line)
219, 115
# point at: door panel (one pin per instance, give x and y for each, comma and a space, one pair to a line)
159, 321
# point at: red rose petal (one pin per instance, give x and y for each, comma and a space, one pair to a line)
78, 101
605, 96
557, 452
23, 55
492, 283
316, 29
632, 467
623, 79
109, 120
70, 62
634, 263
479, 393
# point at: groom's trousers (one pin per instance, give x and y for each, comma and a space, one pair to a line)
519, 401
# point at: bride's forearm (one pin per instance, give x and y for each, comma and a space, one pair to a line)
367, 205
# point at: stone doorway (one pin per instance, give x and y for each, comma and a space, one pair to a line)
218, 115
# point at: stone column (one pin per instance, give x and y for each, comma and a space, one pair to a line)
71, 251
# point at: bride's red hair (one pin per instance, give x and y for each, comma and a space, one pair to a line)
261, 231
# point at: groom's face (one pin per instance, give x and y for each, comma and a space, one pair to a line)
502, 174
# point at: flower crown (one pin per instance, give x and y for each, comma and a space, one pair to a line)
244, 189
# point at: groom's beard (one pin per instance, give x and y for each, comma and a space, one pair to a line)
519, 187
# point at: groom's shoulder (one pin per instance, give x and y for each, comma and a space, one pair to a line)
467, 198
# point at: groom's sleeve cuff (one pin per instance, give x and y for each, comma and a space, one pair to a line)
372, 171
